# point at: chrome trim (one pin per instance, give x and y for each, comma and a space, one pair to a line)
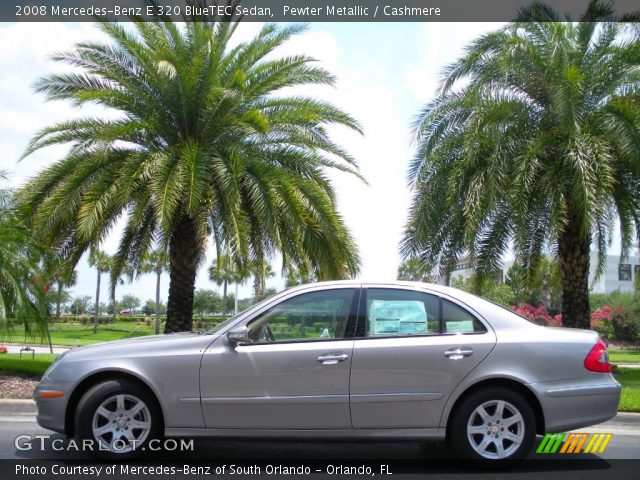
395, 397
327, 399
604, 389
382, 433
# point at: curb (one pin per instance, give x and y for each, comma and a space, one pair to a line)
17, 406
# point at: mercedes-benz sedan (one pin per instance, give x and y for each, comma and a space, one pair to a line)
345, 360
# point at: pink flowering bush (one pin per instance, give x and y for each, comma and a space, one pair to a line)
614, 322
540, 315
3, 349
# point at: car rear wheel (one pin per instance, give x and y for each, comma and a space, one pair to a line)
119, 417
496, 425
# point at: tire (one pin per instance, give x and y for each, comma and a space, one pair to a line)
497, 440
119, 417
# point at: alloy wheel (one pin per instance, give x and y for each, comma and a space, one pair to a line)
121, 423
495, 429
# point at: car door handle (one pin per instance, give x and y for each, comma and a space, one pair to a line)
332, 359
458, 353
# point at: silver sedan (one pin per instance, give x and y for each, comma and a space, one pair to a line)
346, 360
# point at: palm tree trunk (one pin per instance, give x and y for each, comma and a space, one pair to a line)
58, 301
256, 287
95, 317
158, 275
184, 252
235, 301
574, 255
224, 298
113, 303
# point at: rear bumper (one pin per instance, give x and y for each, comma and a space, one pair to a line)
570, 407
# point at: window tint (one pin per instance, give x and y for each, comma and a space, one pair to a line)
401, 312
309, 316
458, 320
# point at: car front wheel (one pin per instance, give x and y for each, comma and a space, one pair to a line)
119, 417
495, 424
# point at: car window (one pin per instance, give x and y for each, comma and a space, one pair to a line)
458, 320
309, 316
392, 312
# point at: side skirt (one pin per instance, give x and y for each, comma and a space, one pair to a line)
379, 434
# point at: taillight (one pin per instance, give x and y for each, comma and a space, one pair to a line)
598, 359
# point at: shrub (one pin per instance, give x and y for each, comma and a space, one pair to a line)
624, 326
615, 322
82, 319
3, 349
539, 315
148, 321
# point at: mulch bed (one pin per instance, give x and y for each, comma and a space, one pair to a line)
17, 385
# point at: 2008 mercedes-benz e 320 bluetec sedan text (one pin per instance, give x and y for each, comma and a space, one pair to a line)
341, 360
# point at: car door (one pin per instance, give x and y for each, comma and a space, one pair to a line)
292, 374
411, 350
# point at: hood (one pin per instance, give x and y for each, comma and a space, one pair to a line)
136, 343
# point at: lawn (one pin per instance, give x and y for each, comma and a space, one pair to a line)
625, 356
629, 378
75, 334
12, 363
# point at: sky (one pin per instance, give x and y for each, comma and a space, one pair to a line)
385, 72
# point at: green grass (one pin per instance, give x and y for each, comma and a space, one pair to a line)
12, 363
72, 334
625, 356
629, 378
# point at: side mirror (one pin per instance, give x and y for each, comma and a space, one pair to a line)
238, 335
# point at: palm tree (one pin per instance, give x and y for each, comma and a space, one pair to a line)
62, 273
117, 277
533, 142
156, 262
298, 275
223, 271
102, 262
415, 270
203, 147
22, 284
260, 270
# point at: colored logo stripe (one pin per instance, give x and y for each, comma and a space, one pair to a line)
550, 443
573, 443
598, 443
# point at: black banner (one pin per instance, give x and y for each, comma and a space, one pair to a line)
288, 10
595, 469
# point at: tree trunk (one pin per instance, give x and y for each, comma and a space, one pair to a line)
224, 298
574, 256
183, 258
256, 288
113, 303
235, 301
95, 316
58, 301
158, 275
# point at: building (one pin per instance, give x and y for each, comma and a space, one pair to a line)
619, 275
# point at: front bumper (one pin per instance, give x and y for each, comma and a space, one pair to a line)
52, 411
